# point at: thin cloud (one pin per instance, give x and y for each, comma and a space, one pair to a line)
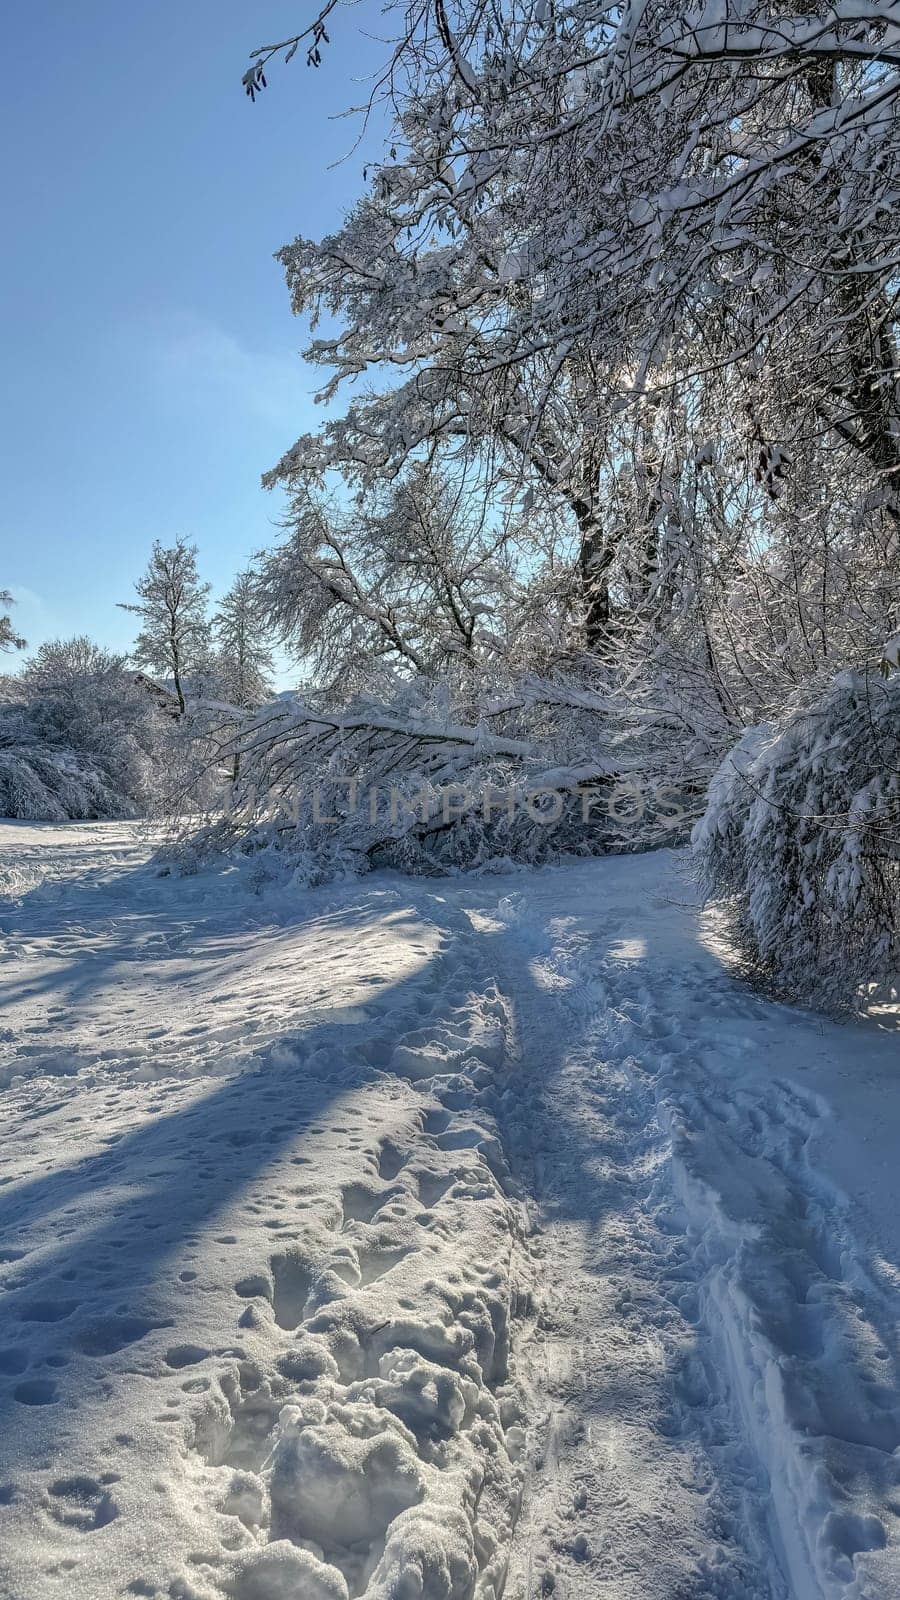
200, 363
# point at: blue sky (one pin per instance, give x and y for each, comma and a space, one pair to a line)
151, 360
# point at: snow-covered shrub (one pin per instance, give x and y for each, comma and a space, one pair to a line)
43, 782
78, 737
802, 832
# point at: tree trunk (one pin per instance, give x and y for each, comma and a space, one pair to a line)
176, 677
870, 393
595, 558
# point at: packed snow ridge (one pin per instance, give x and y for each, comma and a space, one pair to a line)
444, 1239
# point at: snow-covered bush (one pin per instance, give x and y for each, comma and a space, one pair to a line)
46, 782
78, 737
802, 832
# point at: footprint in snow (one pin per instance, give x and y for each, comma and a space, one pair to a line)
36, 1392
185, 1355
361, 1204
115, 1333
47, 1310
81, 1502
391, 1160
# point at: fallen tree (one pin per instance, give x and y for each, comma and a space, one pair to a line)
544, 770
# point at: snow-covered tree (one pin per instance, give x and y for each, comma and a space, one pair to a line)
244, 655
641, 194
417, 578
73, 670
623, 282
627, 271
9, 639
172, 607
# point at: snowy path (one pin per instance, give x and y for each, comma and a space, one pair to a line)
431, 1238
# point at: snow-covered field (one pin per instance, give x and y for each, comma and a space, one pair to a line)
432, 1239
